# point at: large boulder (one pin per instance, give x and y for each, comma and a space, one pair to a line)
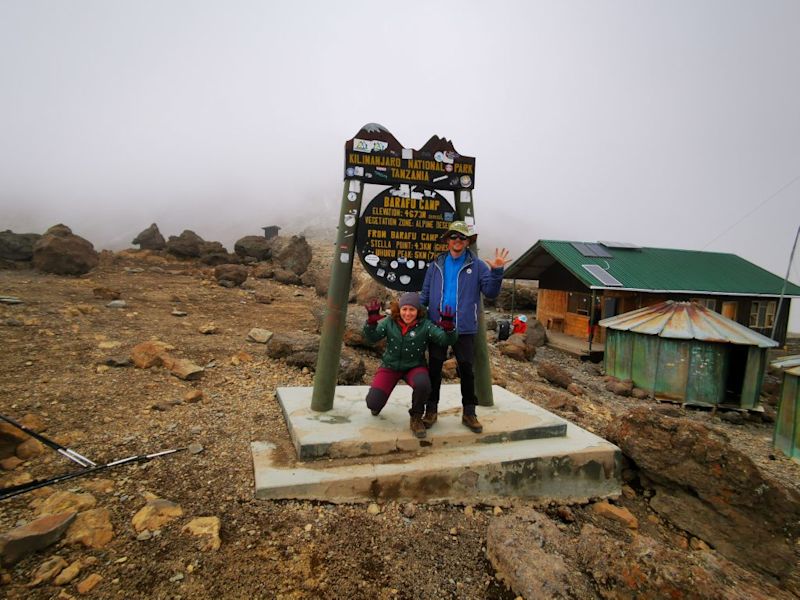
516, 348
294, 254
185, 245
17, 246
254, 246
706, 486
230, 275
535, 335
150, 239
282, 345
539, 558
61, 252
524, 297
554, 374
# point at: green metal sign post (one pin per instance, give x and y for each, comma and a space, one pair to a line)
330, 346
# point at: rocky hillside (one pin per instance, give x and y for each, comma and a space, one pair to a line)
150, 351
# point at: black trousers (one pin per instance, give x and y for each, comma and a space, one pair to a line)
464, 350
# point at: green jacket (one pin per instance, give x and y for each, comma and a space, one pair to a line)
404, 352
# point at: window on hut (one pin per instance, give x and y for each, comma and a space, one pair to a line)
579, 303
762, 313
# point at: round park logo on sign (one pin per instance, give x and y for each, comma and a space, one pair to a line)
398, 235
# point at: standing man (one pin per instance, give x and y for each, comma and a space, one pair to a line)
456, 280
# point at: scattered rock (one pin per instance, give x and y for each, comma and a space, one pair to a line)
149, 354
639, 393
155, 514
178, 313
620, 388
27, 539
705, 486
207, 329
410, 510
554, 374
47, 570
88, 584
117, 304
104, 293
182, 368
230, 275
195, 448
374, 509
10, 438
207, 529
262, 298
186, 245
65, 501
535, 334
17, 246
254, 246
295, 255
730, 416
61, 252
10, 463
450, 369
616, 513
92, 528
69, 573
286, 277
150, 239
102, 486
193, 396
29, 449
261, 336
574, 389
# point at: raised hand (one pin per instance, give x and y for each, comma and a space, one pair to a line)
373, 311
500, 259
446, 319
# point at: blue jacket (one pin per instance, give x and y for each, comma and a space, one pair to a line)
474, 278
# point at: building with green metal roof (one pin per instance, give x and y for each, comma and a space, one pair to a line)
624, 277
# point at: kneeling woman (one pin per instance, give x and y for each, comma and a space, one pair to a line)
407, 335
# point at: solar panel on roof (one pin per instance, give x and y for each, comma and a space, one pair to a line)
626, 245
591, 250
602, 275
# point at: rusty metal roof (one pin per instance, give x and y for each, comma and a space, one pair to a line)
687, 321
790, 364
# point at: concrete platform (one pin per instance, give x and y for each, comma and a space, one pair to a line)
575, 467
524, 451
350, 430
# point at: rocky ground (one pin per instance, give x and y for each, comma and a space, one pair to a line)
708, 510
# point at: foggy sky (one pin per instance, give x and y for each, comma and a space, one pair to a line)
658, 123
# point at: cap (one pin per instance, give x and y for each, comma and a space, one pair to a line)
462, 228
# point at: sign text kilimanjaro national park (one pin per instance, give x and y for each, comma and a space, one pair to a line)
375, 156
399, 231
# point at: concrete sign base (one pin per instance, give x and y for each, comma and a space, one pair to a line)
524, 451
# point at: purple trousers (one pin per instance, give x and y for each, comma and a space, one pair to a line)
386, 379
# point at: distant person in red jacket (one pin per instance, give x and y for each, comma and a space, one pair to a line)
520, 324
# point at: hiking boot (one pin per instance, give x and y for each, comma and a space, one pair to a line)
472, 423
429, 420
417, 427
375, 413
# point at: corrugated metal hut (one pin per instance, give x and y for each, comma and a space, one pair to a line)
684, 351
787, 425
